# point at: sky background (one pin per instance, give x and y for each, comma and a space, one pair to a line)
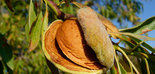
148, 11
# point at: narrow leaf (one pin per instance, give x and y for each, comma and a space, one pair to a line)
69, 9
53, 6
129, 42
10, 64
125, 55
113, 70
45, 21
117, 62
142, 28
123, 71
147, 66
36, 32
124, 39
5, 52
5, 49
143, 44
31, 19
136, 36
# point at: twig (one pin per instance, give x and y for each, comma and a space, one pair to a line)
119, 49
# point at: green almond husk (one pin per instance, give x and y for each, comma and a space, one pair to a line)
96, 36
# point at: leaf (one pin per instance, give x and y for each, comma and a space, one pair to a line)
129, 41
125, 55
5, 52
45, 21
135, 60
10, 64
126, 40
123, 71
139, 36
31, 19
5, 49
113, 70
146, 26
3, 26
132, 42
143, 44
117, 62
147, 66
79, 5
53, 6
36, 32
148, 47
5, 69
136, 36
128, 68
69, 9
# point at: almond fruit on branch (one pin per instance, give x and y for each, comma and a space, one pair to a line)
79, 45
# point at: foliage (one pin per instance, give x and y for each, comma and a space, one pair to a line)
23, 23
114, 9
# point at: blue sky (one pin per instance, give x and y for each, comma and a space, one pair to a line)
148, 11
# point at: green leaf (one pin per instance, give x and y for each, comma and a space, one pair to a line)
130, 42
125, 55
69, 9
126, 40
113, 70
6, 53
4, 27
54, 7
123, 71
31, 19
117, 62
5, 49
35, 33
45, 21
136, 36
146, 26
148, 47
144, 44
10, 64
147, 66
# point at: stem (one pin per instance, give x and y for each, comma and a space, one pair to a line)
147, 66
143, 54
119, 49
117, 62
131, 68
137, 45
54, 7
79, 5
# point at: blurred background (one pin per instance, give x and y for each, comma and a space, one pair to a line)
14, 16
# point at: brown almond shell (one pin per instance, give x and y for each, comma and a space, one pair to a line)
71, 41
54, 54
